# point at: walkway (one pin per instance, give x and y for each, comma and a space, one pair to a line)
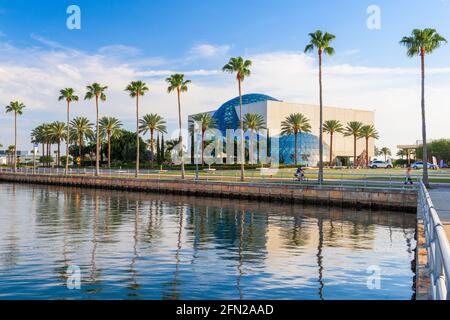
441, 201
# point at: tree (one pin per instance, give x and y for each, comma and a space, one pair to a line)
332, 127
421, 43
151, 123
110, 128
57, 134
368, 132
242, 69
81, 128
253, 122
353, 129
294, 124
386, 152
67, 94
401, 153
15, 107
96, 91
320, 41
205, 121
177, 83
137, 89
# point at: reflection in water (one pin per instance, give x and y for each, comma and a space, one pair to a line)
146, 246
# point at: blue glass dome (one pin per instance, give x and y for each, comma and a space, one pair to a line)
226, 116
307, 152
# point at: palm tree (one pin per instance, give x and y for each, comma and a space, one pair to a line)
386, 152
17, 108
332, 127
152, 122
253, 122
98, 91
58, 133
67, 94
353, 129
242, 69
320, 41
137, 89
294, 124
177, 83
205, 121
401, 153
368, 132
421, 43
81, 128
110, 127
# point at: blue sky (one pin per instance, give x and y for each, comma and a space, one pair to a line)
123, 40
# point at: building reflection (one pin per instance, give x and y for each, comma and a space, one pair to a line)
271, 237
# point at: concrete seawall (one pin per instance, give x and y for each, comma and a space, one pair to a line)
396, 200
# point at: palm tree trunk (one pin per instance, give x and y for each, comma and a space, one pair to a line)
203, 147
59, 153
367, 152
15, 142
321, 120
331, 149
43, 152
250, 152
67, 138
181, 135
151, 146
354, 151
241, 126
80, 147
109, 149
296, 147
97, 146
137, 135
424, 125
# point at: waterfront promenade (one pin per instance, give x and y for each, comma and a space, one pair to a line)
441, 201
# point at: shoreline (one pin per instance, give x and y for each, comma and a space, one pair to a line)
355, 197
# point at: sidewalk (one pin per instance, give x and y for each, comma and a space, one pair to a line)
441, 201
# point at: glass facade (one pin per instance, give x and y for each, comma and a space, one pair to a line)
308, 144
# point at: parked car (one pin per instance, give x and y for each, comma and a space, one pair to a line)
380, 164
419, 165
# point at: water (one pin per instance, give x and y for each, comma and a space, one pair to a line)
147, 246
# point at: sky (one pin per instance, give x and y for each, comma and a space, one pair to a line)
120, 41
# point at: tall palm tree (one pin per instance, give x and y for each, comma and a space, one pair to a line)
294, 124
253, 122
96, 91
137, 89
386, 152
332, 127
58, 133
81, 128
206, 121
110, 127
421, 43
177, 83
320, 41
152, 122
67, 94
353, 129
242, 69
368, 132
15, 107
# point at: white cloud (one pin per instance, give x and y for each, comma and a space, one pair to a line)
208, 50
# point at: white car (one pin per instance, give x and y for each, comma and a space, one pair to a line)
380, 164
419, 165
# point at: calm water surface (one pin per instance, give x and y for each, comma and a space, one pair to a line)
146, 246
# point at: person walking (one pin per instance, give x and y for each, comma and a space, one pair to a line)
408, 179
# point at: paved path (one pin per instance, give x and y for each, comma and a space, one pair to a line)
441, 201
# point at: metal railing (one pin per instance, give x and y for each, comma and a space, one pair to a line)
377, 179
438, 249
